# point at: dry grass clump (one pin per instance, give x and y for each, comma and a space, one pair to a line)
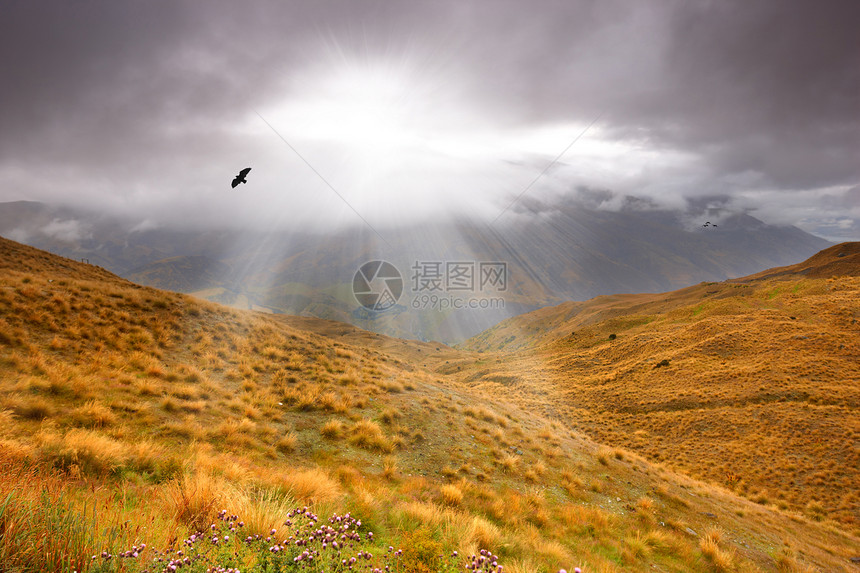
86, 450
787, 562
481, 533
93, 414
603, 456
287, 443
423, 512
184, 391
305, 397
328, 401
195, 497
710, 545
7, 421
235, 432
368, 435
815, 510
32, 407
531, 475
485, 414
45, 529
333, 429
389, 415
389, 467
635, 548
573, 484
393, 386
262, 509
309, 486
645, 508
509, 463
451, 494
148, 387
547, 433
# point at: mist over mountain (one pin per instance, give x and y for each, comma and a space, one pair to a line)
571, 249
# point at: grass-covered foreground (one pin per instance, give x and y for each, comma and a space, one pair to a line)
132, 419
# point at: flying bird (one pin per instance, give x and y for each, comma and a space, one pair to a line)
240, 178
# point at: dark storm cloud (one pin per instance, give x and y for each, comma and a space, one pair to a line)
771, 86
775, 86
107, 97
90, 73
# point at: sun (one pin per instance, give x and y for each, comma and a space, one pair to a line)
408, 136
373, 128
366, 107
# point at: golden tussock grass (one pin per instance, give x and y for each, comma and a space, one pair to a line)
451, 495
287, 443
348, 475
262, 509
37, 500
481, 534
751, 362
509, 463
310, 486
31, 407
195, 497
86, 449
7, 419
786, 562
581, 518
333, 429
533, 542
389, 467
573, 485
664, 543
148, 387
425, 513
391, 385
721, 559
367, 434
224, 436
186, 427
389, 415
603, 455
635, 549
93, 414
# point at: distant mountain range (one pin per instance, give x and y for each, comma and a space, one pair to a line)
569, 251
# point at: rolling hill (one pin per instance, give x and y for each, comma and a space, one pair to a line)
132, 415
752, 383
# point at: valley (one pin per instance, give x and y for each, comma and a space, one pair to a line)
715, 431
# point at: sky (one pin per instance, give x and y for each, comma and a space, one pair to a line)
382, 113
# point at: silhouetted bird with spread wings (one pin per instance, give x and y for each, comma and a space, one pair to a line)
240, 178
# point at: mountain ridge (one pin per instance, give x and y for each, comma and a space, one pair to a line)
842, 259
566, 251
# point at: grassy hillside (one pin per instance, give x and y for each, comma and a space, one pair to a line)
183, 274
132, 416
753, 384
